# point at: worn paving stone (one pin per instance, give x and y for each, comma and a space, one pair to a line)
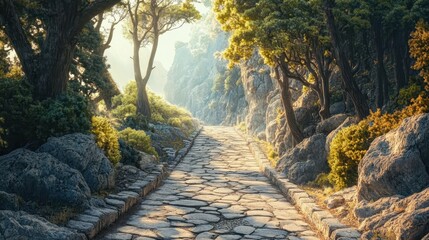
202, 216
216, 192
173, 233
245, 230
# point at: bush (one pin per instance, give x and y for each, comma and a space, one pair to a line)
124, 108
106, 138
28, 121
63, 115
408, 93
347, 149
350, 144
138, 139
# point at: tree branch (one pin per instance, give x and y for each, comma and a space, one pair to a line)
13, 28
91, 11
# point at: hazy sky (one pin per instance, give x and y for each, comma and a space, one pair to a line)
121, 50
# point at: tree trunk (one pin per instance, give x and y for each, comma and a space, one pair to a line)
382, 92
143, 107
47, 66
325, 112
54, 69
286, 97
350, 86
399, 64
325, 75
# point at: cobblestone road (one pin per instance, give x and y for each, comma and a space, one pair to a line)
216, 192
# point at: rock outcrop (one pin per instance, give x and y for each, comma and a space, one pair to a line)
395, 217
330, 124
397, 163
9, 201
305, 161
23, 226
80, 152
348, 122
257, 84
201, 82
42, 178
393, 185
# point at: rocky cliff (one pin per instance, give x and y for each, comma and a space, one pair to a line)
200, 81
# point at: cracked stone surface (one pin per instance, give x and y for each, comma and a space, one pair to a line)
216, 192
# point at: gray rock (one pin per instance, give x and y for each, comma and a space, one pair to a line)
348, 122
257, 84
80, 152
337, 108
395, 217
334, 202
9, 201
396, 163
206, 235
202, 216
330, 124
42, 178
189, 203
245, 230
303, 163
22, 226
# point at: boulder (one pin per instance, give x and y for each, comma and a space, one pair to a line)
304, 162
395, 217
23, 226
396, 163
337, 108
348, 122
42, 178
81, 152
330, 124
9, 201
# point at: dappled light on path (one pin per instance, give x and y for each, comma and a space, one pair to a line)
217, 192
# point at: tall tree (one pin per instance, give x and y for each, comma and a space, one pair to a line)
46, 61
359, 100
148, 20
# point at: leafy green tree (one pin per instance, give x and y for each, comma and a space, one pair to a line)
289, 37
148, 20
44, 35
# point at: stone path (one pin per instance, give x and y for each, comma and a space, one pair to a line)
216, 192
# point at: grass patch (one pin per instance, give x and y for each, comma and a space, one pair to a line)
269, 152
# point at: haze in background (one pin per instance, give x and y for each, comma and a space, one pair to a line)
119, 56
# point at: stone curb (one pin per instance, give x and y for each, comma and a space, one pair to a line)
327, 224
92, 221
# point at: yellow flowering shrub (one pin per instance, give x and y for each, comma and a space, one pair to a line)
106, 138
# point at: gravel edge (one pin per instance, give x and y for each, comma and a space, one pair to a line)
327, 224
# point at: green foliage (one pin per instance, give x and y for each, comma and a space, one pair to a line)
409, 93
106, 138
351, 143
419, 48
347, 149
124, 109
26, 120
63, 115
138, 139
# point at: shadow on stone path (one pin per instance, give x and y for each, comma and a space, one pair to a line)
216, 192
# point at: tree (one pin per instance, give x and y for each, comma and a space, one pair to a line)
89, 73
291, 38
343, 61
46, 59
148, 20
